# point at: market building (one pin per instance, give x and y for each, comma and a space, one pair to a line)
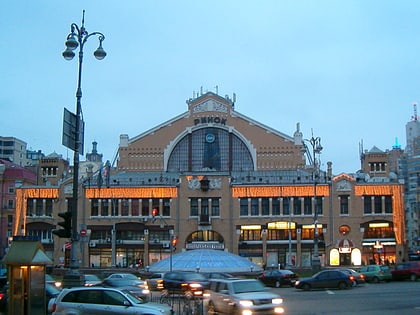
213, 178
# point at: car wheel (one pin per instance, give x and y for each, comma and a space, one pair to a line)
277, 284
210, 309
306, 287
413, 277
342, 285
375, 280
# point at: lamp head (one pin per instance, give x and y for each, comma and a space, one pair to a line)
100, 52
71, 42
68, 54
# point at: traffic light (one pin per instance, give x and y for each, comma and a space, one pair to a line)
65, 232
173, 243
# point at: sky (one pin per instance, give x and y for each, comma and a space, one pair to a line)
346, 71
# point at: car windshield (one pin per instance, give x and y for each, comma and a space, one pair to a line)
247, 286
135, 299
91, 278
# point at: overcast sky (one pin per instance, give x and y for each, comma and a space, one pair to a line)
348, 70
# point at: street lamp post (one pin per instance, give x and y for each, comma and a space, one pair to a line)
77, 39
315, 143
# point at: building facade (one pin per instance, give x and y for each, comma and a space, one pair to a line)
215, 178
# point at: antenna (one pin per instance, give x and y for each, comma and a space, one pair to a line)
414, 117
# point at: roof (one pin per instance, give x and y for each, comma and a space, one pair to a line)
207, 260
26, 253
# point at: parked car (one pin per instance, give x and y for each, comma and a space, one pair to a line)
359, 277
155, 281
52, 280
185, 281
129, 282
376, 273
101, 301
3, 292
406, 271
51, 292
217, 275
242, 296
278, 277
91, 280
326, 279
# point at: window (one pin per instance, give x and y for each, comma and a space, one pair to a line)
297, 206
204, 206
307, 205
243, 205
48, 207
367, 205
318, 206
166, 210
388, 204
145, 207
11, 189
344, 204
94, 211
254, 207
378, 204
286, 206
194, 207
215, 207
10, 204
275, 206
265, 206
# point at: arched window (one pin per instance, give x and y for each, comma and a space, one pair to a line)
210, 149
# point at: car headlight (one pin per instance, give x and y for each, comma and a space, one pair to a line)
246, 303
277, 301
297, 282
195, 285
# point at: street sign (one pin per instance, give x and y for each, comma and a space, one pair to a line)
83, 232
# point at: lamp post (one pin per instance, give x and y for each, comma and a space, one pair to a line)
315, 143
77, 39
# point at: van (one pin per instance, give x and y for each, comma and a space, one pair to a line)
406, 271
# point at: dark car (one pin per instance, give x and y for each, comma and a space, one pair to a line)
326, 279
155, 281
3, 293
278, 278
185, 282
51, 292
406, 271
129, 282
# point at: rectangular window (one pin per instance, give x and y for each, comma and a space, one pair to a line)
367, 205
145, 207
94, 211
194, 207
11, 189
297, 206
105, 207
215, 207
275, 206
307, 205
204, 206
318, 206
10, 204
39, 207
286, 206
254, 207
388, 204
166, 211
124, 207
378, 204
48, 207
344, 204
114, 207
265, 206
243, 205
135, 207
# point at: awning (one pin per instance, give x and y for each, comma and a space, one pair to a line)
26, 253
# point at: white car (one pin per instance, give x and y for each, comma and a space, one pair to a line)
103, 301
242, 296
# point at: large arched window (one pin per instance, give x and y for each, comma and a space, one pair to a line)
210, 149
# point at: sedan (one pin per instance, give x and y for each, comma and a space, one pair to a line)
359, 277
129, 282
278, 278
326, 279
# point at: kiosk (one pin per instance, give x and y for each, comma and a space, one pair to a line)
26, 263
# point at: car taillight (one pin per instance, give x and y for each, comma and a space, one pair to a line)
352, 278
53, 308
362, 276
2, 296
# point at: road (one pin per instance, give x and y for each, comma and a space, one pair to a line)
383, 298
